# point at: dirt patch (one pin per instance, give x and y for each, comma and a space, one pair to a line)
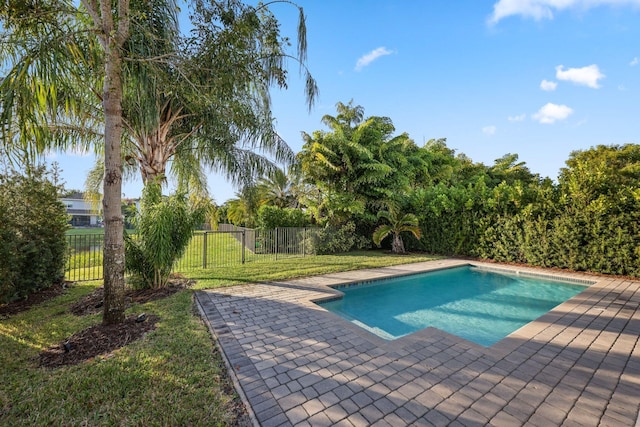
97, 340
33, 299
92, 303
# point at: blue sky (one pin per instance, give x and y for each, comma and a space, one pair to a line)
540, 78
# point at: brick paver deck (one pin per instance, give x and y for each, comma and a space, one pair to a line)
294, 363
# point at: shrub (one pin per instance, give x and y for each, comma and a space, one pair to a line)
270, 217
165, 227
331, 240
32, 233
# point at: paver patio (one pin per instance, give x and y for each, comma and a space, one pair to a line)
294, 363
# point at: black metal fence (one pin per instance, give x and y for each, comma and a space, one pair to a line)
227, 246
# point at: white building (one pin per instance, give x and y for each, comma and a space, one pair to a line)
82, 213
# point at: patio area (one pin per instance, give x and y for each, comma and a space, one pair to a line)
294, 363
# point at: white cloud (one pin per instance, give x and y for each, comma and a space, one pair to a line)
367, 59
489, 130
517, 118
586, 76
550, 113
634, 61
544, 9
548, 86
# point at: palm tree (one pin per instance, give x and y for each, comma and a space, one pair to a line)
206, 104
278, 189
54, 97
53, 54
397, 224
242, 210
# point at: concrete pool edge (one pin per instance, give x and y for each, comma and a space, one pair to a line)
298, 317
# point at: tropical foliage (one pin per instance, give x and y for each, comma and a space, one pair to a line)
397, 223
270, 217
356, 165
164, 226
206, 105
587, 221
79, 74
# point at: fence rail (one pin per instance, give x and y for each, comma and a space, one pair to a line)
207, 249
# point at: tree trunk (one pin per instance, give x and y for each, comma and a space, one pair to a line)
111, 26
153, 161
114, 290
397, 246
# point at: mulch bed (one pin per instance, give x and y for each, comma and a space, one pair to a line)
92, 303
97, 340
103, 339
35, 298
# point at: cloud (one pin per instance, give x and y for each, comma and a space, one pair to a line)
367, 59
634, 61
544, 9
517, 118
489, 130
551, 113
548, 86
586, 76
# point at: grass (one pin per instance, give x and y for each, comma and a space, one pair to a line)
171, 377
84, 231
174, 376
294, 267
81, 231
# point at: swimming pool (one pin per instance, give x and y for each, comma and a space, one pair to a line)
479, 305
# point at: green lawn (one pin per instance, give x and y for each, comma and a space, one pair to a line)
174, 376
91, 230
84, 231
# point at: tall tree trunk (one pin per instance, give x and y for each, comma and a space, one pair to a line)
114, 289
111, 21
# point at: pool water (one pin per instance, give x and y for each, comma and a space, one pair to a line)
475, 304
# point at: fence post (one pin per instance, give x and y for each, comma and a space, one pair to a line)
304, 242
276, 239
204, 250
244, 240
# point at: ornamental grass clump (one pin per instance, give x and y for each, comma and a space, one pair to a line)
165, 226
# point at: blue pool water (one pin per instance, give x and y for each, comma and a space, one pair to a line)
478, 305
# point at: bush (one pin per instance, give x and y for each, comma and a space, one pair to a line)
32, 234
165, 227
331, 240
270, 217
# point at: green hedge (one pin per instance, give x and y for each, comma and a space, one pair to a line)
589, 221
32, 234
